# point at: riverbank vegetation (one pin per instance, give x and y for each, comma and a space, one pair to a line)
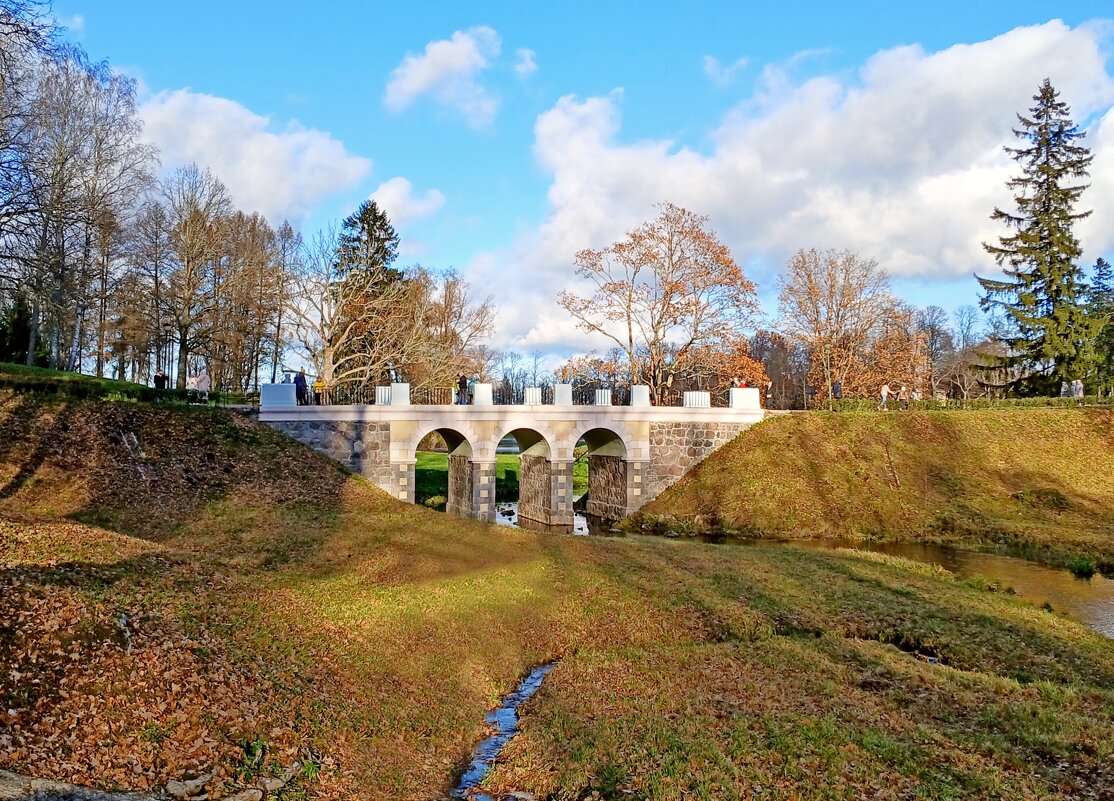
1028, 480
174, 599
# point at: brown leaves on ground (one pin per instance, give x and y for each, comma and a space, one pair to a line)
123, 673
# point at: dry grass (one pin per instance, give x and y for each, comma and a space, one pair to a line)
273, 598
1029, 479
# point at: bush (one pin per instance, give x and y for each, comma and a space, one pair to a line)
1082, 566
42, 381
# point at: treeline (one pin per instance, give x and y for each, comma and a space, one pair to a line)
678, 308
107, 268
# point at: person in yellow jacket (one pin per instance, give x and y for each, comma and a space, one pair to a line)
318, 391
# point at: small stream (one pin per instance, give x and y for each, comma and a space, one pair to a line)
504, 724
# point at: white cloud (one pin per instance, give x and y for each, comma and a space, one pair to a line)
525, 64
901, 161
448, 71
279, 171
73, 23
722, 74
396, 196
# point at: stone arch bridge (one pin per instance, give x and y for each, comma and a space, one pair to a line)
634, 452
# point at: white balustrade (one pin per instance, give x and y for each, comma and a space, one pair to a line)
698, 400
532, 396
603, 397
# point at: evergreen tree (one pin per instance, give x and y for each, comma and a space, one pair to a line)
1050, 335
1102, 307
368, 241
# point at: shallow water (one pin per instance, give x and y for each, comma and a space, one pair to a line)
506, 514
1090, 601
504, 723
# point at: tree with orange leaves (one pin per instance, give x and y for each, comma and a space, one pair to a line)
664, 294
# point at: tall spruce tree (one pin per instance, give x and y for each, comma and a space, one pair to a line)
1050, 334
368, 241
1102, 307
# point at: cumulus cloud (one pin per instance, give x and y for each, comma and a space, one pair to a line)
448, 71
722, 74
279, 171
525, 64
396, 196
901, 161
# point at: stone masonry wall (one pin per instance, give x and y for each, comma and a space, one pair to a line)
675, 448
364, 448
534, 502
459, 501
607, 487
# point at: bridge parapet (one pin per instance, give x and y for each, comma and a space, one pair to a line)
634, 451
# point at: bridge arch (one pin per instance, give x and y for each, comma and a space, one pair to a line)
459, 489
607, 473
544, 485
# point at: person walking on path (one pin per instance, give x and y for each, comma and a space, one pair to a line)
903, 398
301, 390
837, 390
203, 385
885, 393
1077, 389
462, 390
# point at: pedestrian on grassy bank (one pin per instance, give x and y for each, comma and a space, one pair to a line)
837, 390
1077, 389
885, 393
160, 380
203, 385
301, 389
903, 397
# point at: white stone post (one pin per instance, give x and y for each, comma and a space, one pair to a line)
603, 397
277, 395
640, 395
562, 395
745, 398
483, 395
400, 395
382, 396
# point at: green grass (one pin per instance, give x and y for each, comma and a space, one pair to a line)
386, 631
431, 477
1023, 480
75, 386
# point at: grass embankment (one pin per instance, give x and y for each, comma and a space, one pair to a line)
1036, 480
431, 477
271, 598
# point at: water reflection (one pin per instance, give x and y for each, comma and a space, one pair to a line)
1089, 600
506, 514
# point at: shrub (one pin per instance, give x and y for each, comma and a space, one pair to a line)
1082, 566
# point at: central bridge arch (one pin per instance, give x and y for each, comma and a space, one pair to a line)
607, 473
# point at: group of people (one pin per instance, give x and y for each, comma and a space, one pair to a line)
302, 388
902, 397
1072, 390
465, 390
197, 386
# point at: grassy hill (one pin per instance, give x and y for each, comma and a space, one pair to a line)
184, 590
1035, 479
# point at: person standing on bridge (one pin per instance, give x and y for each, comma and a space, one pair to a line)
462, 390
301, 389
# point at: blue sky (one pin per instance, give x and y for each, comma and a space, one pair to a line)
791, 125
